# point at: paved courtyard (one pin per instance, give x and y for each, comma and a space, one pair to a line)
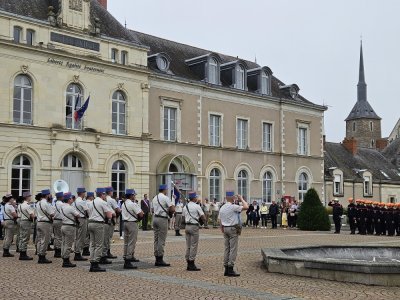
32, 281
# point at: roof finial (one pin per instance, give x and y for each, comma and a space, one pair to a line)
362, 86
125, 22
255, 58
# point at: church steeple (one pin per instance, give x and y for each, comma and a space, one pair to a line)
361, 86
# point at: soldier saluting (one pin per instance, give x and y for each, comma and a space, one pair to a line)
337, 211
231, 228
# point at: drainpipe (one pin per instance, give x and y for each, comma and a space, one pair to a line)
281, 144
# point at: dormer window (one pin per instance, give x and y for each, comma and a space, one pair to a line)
290, 91
206, 67
213, 72
160, 62
240, 72
259, 80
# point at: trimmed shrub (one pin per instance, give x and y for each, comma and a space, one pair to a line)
313, 215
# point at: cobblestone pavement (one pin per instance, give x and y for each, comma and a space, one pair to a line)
23, 280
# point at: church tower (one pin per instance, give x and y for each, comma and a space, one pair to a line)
363, 124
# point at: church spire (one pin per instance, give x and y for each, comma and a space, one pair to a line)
361, 86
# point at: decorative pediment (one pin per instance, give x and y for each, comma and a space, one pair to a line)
75, 14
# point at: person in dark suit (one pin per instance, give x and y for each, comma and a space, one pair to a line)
273, 212
145, 206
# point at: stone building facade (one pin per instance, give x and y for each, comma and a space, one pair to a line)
159, 111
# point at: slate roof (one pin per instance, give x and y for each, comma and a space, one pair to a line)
336, 155
37, 9
179, 52
392, 152
362, 110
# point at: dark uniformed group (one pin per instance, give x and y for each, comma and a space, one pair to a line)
86, 225
369, 217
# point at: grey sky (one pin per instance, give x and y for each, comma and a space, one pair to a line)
314, 43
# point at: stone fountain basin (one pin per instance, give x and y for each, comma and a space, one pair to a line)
371, 265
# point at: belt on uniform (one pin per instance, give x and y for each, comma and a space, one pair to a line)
131, 221
57, 219
44, 222
161, 217
192, 224
98, 222
27, 221
69, 225
230, 226
178, 213
82, 218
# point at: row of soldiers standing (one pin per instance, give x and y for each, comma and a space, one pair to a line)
369, 217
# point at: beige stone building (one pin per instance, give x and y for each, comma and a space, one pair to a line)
159, 111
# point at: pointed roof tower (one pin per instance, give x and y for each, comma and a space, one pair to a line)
362, 109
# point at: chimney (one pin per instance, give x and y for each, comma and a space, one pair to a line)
103, 3
351, 145
381, 144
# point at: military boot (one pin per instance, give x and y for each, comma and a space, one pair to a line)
67, 263
43, 260
128, 265
6, 253
105, 261
232, 273
78, 257
57, 253
94, 267
160, 262
226, 271
86, 251
191, 266
24, 256
110, 256
177, 233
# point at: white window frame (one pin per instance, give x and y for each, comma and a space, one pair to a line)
118, 171
265, 83
213, 65
302, 192
74, 125
22, 101
210, 126
33, 33
264, 142
114, 55
240, 77
239, 140
20, 167
303, 149
120, 115
337, 184
246, 186
265, 183
171, 103
124, 57
367, 185
20, 30
212, 189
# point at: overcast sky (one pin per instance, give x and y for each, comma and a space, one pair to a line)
312, 43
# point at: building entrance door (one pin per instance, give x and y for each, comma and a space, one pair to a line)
72, 172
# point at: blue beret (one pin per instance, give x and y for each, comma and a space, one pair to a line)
67, 196
129, 192
59, 195
163, 187
90, 194
81, 190
46, 192
100, 190
230, 194
109, 189
192, 195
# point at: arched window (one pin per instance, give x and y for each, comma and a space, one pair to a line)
265, 83
213, 71
21, 175
242, 182
71, 161
267, 186
22, 109
240, 77
118, 178
118, 113
215, 184
303, 185
73, 103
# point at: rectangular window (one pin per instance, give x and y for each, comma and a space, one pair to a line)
265, 84
30, 37
170, 124
303, 142
267, 137
215, 130
337, 185
367, 186
114, 55
124, 57
17, 34
241, 134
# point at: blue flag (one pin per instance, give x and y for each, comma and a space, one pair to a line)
177, 195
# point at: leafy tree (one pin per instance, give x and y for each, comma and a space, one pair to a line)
313, 215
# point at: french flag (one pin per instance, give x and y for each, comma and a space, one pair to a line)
78, 114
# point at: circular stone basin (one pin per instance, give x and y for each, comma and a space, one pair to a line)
372, 265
